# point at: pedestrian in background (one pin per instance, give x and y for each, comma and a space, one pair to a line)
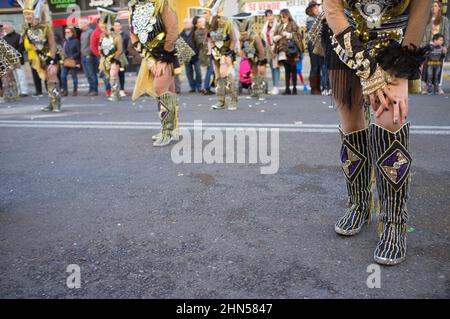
134, 57
288, 48
88, 58
193, 69
435, 62
95, 45
438, 23
71, 63
204, 52
268, 33
317, 61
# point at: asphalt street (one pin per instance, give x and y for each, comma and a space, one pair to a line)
86, 187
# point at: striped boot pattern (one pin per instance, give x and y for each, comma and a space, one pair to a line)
393, 162
357, 168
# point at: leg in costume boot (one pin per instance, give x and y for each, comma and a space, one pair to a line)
157, 136
393, 163
10, 92
357, 168
221, 84
176, 132
167, 114
261, 88
54, 98
115, 90
232, 91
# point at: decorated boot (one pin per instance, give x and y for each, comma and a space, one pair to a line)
221, 98
393, 163
232, 91
54, 98
115, 90
167, 114
357, 168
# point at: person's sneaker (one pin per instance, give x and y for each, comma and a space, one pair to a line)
38, 95
108, 93
74, 93
64, 93
294, 91
92, 94
192, 91
23, 95
123, 93
275, 91
287, 92
441, 91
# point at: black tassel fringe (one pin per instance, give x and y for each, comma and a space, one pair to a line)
402, 61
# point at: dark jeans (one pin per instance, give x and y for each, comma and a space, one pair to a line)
90, 71
324, 80
316, 63
433, 77
191, 67
102, 75
37, 81
64, 72
290, 71
208, 75
122, 80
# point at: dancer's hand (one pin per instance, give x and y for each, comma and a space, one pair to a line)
395, 97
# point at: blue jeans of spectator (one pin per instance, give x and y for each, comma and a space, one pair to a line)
324, 80
208, 75
102, 75
275, 75
191, 67
90, 71
64, 72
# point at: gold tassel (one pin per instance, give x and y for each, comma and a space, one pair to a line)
144, 82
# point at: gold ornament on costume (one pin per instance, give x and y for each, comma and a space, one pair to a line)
215, 6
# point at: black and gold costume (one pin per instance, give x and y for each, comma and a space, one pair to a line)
368, 44
39, 41
111, 52
253, 48
9, 60
223, 40
154, 26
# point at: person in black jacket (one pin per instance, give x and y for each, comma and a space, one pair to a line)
188, 34
71, 52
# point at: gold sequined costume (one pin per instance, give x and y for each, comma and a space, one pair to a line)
9, 60
221, 35
39, 41
253, 49
154, 33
